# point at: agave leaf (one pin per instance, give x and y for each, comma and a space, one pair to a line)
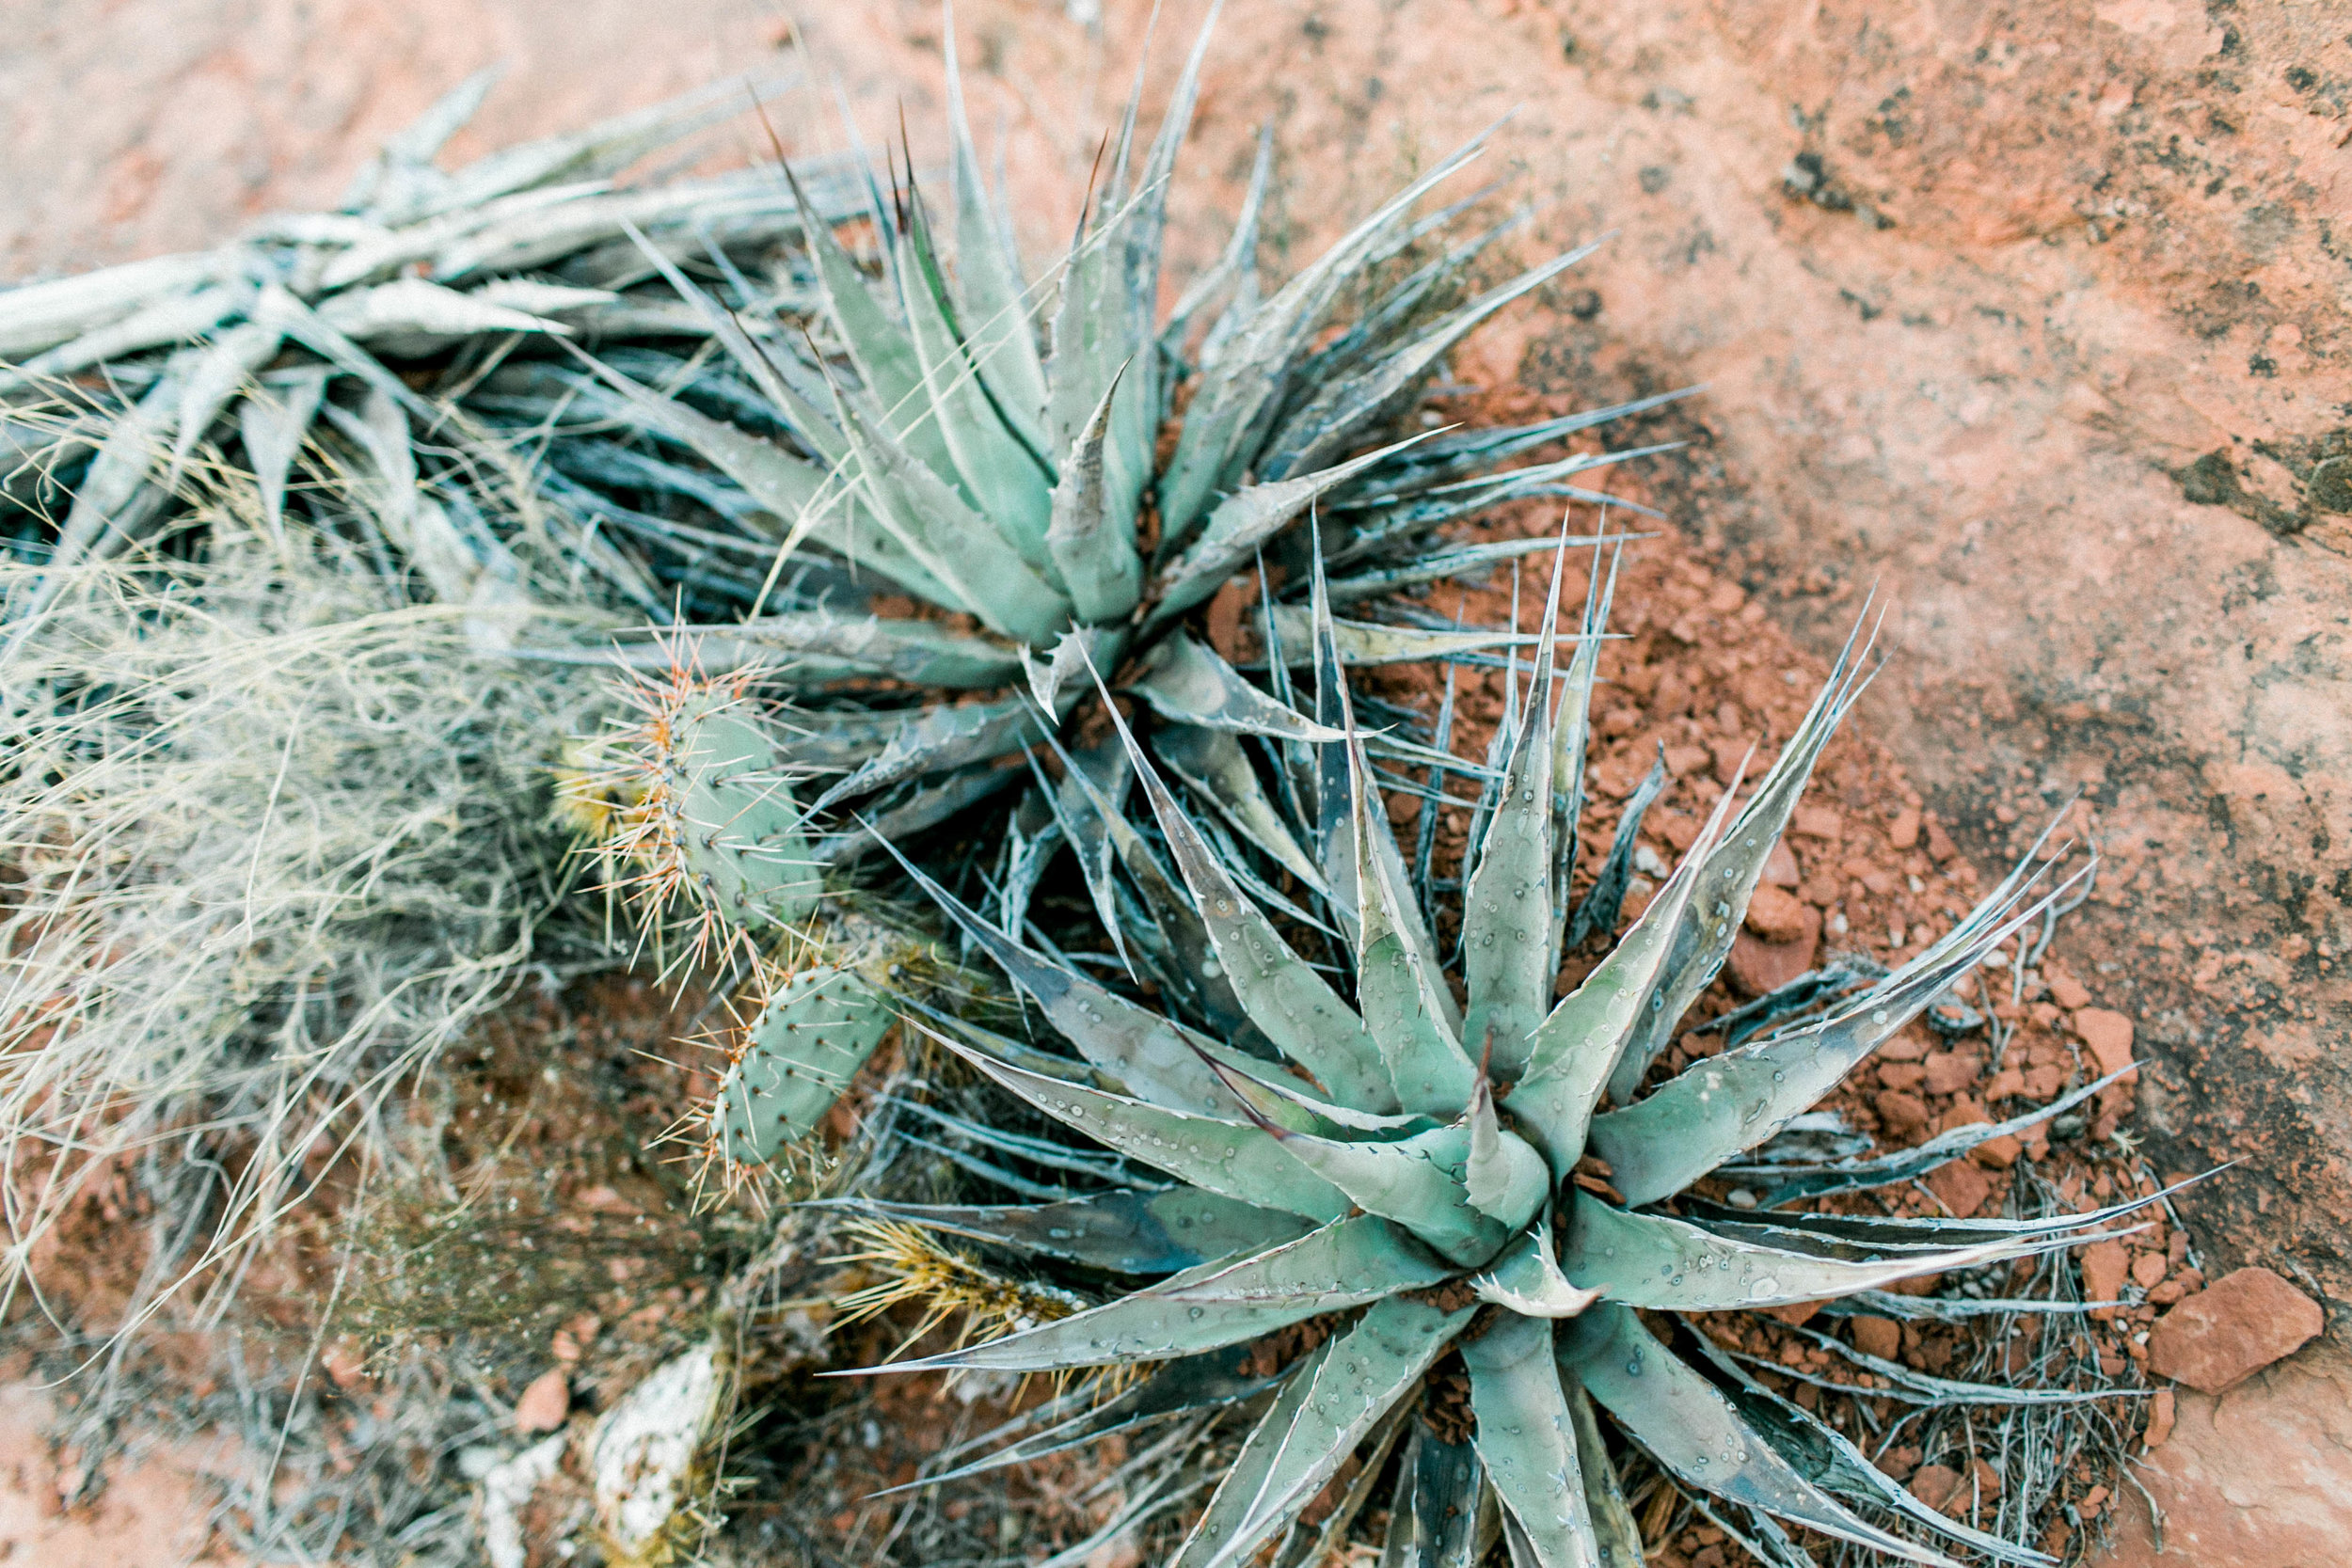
1213, 765
37, 316
115, 502
1342, 410
171, 320
1784, 1183
1373, 1365
813, 648
1191, 964
1275, 1094
1605, 900
1006, 479
1461, 560
789, 487
1461, 453
272, 424
418, 306
798, 1058
951, 541
1184, 679
1155, 1057
1665, 1265
1417, 1181
1244, 383
1506, 906
1733, 1102
1575, 1046
807, 420
1826, 1458
1305, 1549
1297, 1007
885, 356
1242, 523
1708, 924
275, 305
1570, 734
1527, 1280
1327, 373
224, 370
941, 736
995, 307
1192, 1383
921, 652
1127, 1232
1696, 1433
1092, 542
927, 804
1859, 1235
1092, 790
953, 544
1239, 1160
1343, 1264
1356, 834
1216, 1536
1527, 1439
1080, 648
1365, 642
1218, 1304
1451, 1513
1403, 992
1615, 1532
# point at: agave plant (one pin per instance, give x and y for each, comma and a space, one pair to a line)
1425, 1162
928, 514
112, 382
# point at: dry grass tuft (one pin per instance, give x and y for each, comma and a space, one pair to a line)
272, 837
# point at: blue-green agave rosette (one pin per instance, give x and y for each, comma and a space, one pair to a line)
1388, 1152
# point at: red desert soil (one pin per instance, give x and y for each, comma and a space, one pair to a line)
2033, 316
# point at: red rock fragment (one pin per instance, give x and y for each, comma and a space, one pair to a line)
2232, 1329
1942, 1488
2067, 991
2106, 1266
545, 1403
1775, 915
1780, 866
1999, 1153
1905, 833
1758, 966
1878, 1336
2162, 1411
2148, 1270
1960, 1186
2109, 1034
1950, 1072
1818, 822
1901, 1111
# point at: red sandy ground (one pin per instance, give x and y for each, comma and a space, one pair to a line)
2070, 406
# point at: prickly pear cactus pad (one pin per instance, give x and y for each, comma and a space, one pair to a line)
1396, 1159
